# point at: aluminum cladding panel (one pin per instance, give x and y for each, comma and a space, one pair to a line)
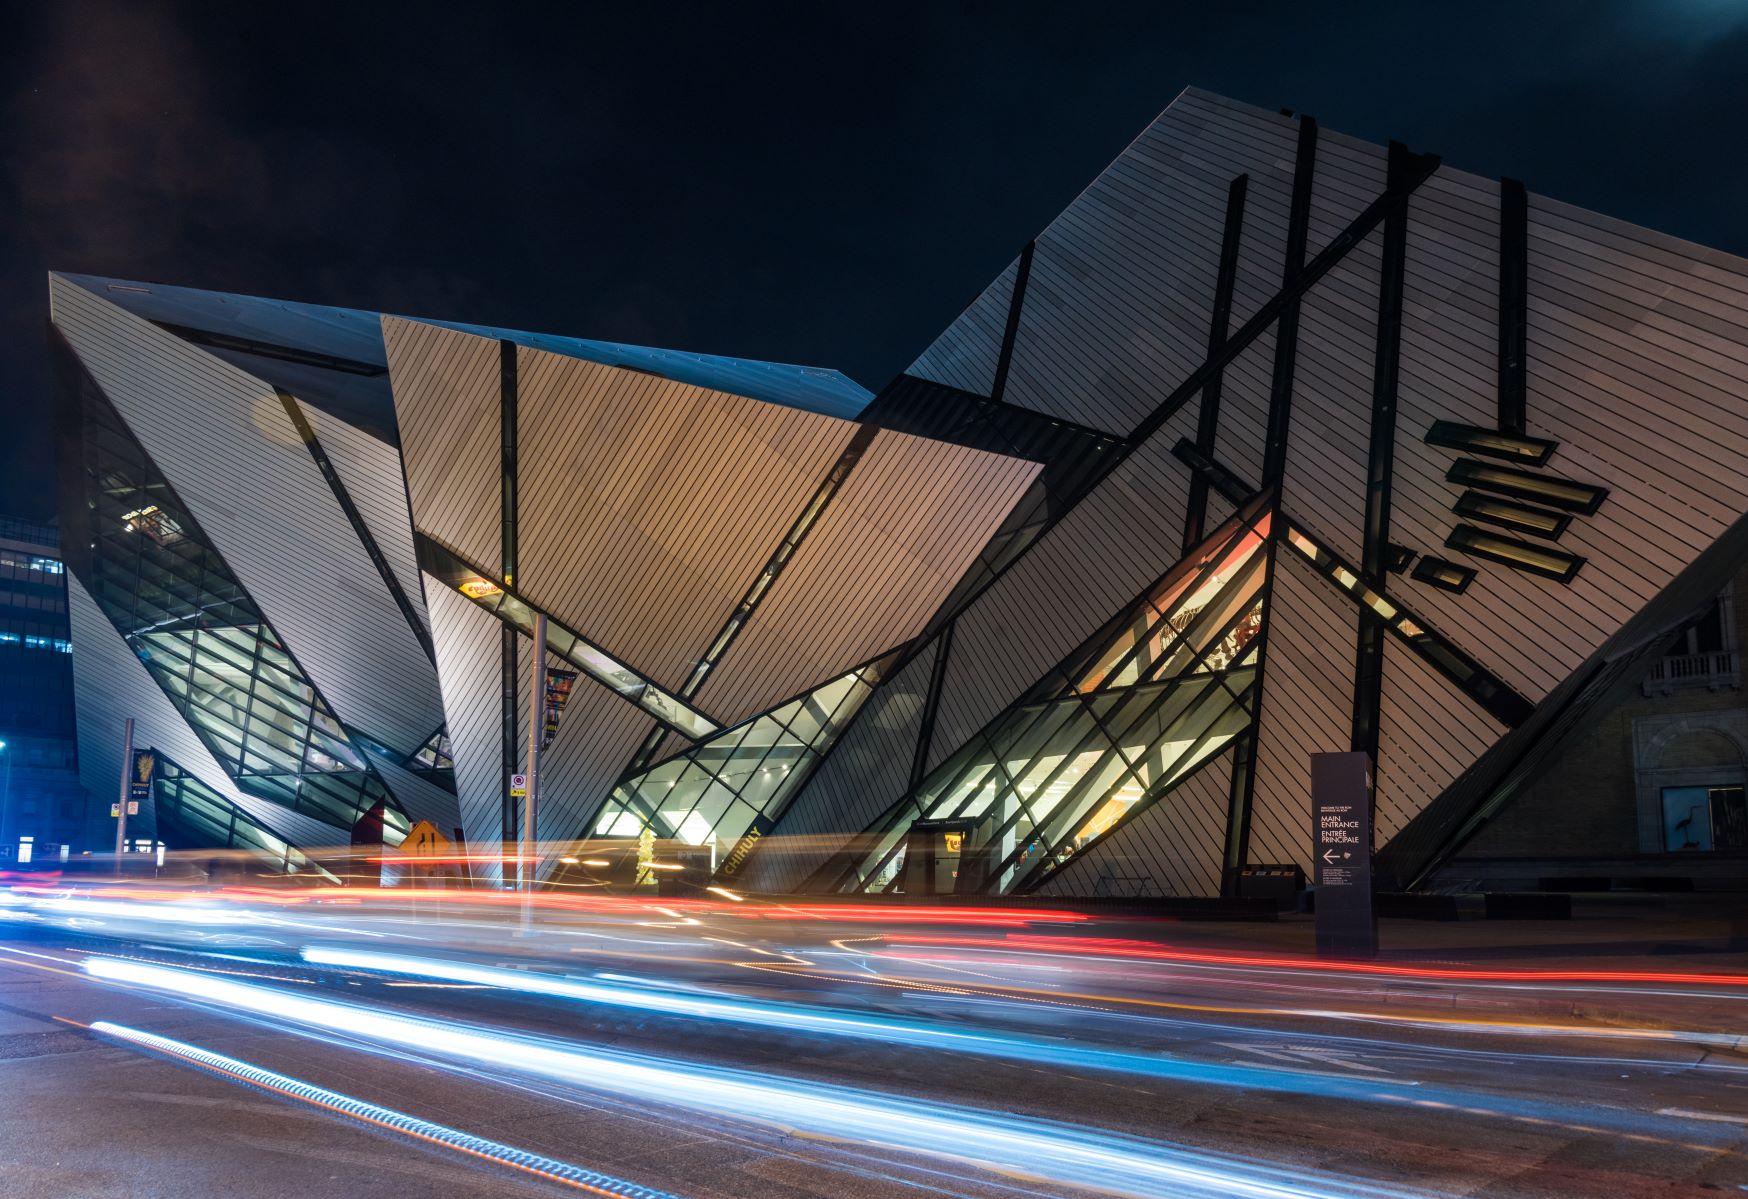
227, 446
1092, 563
907, 524
446, 392
370, 470
1307, 705
646, 508
470, 668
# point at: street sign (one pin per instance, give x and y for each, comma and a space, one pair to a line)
133, 809
423, 840
1341, 803
518, 786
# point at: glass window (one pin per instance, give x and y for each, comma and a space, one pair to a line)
1702, 819
1526, 485
1531, 451
1134, 703
1508, 514
1552, 563
1687, 819
1729, 808
711, 792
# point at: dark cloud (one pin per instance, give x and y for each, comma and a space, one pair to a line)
817, 183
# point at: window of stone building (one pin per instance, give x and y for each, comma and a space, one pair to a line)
1708, 634
1703, 819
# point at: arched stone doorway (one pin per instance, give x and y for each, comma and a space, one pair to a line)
1687, 765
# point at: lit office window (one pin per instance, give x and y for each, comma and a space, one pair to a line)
26, 847
36, 562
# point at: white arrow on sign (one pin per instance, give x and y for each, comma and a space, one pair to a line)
1329, 855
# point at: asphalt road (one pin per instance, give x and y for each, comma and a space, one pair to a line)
751, 1050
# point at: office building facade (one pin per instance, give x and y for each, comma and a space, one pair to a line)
45, 815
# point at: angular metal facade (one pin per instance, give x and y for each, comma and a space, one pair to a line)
1481, 451
1248, 304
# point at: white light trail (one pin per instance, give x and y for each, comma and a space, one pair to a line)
546, 1168
1060, 1154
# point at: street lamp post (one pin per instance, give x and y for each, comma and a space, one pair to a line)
529, 851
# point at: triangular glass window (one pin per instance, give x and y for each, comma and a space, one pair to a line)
1163, 686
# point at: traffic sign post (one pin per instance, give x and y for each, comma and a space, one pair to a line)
120, 809
424, 843
1341, 802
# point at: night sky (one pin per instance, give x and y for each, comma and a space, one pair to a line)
825, 184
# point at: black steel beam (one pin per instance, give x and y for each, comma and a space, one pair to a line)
1274, 454
1368, 691
1011, 331
273, 350
1274, 460
919, 763
1326, 259
1219, 323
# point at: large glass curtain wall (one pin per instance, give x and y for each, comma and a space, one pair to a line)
239, 690
721, 789
158, 580
1154, 694
191, 815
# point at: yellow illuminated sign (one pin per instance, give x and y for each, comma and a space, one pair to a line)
480, 589
954, 841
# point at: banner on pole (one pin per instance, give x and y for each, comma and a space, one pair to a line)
139, 778
558, 691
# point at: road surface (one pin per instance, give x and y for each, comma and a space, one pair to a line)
236, 1042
